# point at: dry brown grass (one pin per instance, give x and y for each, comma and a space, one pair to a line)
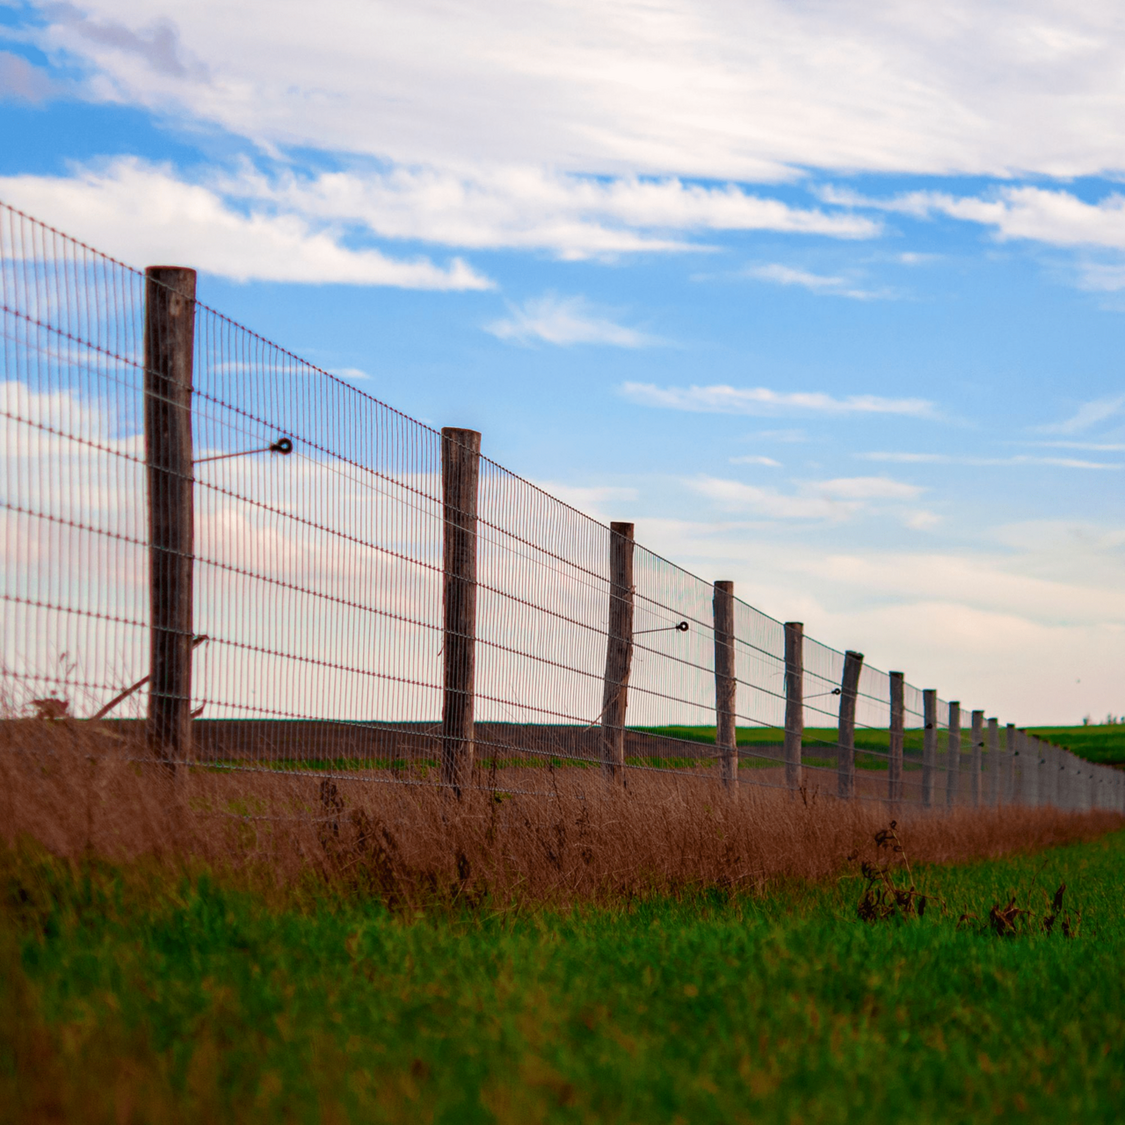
72, 788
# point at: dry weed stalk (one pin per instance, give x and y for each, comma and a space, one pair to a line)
81, 789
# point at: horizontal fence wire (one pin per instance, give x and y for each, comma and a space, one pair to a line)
314, 527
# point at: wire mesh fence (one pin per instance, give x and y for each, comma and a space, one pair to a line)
231, 554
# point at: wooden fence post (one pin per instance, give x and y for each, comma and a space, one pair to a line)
460, 475
993, 762
845, 737
929, 745
953, 756
725, 682
169, 345
794, 702
896, 735
1009, 779
619, 650
975, 758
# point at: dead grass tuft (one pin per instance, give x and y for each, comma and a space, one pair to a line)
74, 789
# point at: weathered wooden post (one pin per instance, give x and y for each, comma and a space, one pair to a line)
460, 476
845, 736
1011, 749
975, 757
929, 745
619, 650
169, 345
725, 682
896, 736
953, 756
794, 701
993, 761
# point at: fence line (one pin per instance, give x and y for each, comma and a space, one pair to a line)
259, 565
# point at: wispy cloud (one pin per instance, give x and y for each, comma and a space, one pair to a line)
724, 399
956, 459
564, 321
149, 214
835, 500
1088, 414
756, 459
827, 284
866, 488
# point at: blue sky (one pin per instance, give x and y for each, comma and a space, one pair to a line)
828, 298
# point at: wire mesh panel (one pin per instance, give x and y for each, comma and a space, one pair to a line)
315, 525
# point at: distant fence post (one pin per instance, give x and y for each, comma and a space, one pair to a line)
725, 683
953, 762
794, 701
845, 735
895, 735
929, 745
619, 650
993, 797
460, 475
975, 757
169, 345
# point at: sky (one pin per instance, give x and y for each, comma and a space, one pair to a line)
827, 298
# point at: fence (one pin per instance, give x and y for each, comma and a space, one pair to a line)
262, 567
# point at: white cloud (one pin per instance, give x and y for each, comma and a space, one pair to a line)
833, 286
867, 488
146, 214
352, 373
1088, 414
564, 321
19, 79
756, 459
957, 459
533, 208
725, 399
770, 503
835, 500
705, 88
921, 520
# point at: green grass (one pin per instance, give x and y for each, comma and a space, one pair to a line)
1104, 744
128, 994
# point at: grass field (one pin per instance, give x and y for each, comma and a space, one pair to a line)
1104, 744
135, 993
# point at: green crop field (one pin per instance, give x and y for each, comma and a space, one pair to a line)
1104, 744
131, 993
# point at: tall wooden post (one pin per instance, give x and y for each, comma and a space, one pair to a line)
169, 339
460, 475
725, 682
953, 756
993, 797
845, 738
619, 650
1008, 783
975, 756
794, 701
896, 736
929, 745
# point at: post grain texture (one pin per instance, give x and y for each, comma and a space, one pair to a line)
794, 701
845, 735
975, 756
169, 335
953, 756
929, 745
619, 650
460, 476
993, 762
897, 735
1008, 774
725, 682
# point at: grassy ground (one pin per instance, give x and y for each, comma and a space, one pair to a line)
1104, 744
133, 993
